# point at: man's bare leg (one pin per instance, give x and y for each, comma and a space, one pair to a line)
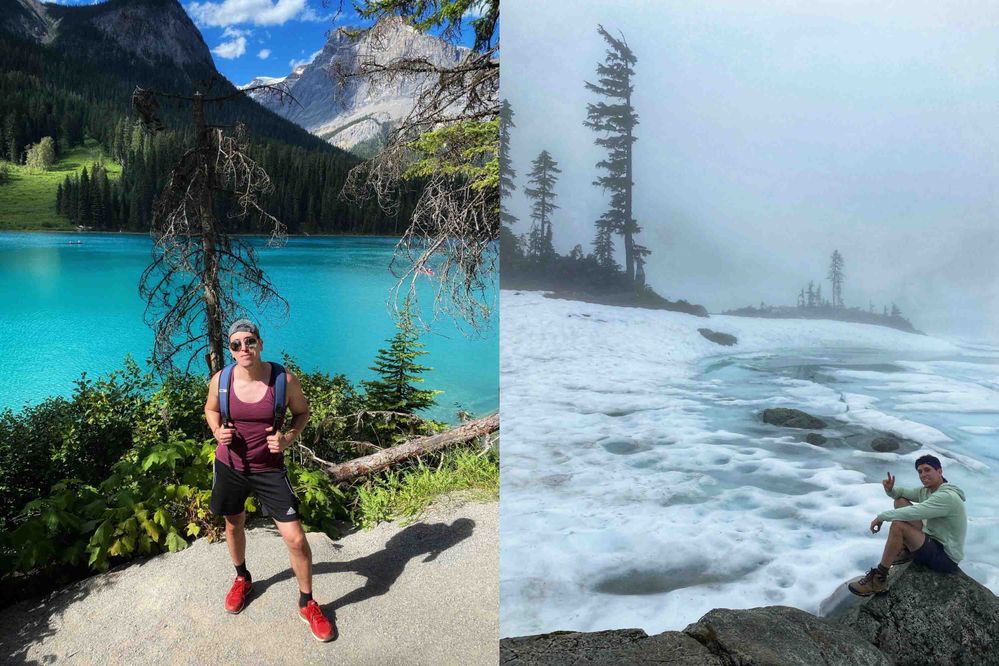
299, 552
235, 537
902, 534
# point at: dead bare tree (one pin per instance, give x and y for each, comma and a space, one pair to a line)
448, 144
198, 266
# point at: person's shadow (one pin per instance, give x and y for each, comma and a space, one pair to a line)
383, 568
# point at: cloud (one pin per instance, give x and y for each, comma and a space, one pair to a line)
255, 12
231, 49
304, 61
264, 54
475, 11
310, 15
236, 32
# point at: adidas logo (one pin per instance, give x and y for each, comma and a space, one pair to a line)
291, 512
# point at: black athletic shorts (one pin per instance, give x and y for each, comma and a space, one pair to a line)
230, 489
932, 555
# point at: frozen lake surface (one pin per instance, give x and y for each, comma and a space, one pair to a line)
641, 488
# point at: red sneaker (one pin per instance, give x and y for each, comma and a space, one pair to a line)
240, 591
322, 629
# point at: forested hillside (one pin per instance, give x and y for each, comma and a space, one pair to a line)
78, 82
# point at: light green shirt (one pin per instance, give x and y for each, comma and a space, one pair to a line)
942, 511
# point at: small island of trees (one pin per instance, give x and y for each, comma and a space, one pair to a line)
811, 304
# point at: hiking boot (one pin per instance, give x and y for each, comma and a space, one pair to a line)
240, 591
903, 557
873, 582
322, 629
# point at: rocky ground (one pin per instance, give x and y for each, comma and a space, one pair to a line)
423, 593
925, 618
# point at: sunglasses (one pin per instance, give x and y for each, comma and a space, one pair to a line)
236, 345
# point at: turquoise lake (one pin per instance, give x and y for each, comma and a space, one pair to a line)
73, 308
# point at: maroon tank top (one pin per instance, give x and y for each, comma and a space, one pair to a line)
248, 452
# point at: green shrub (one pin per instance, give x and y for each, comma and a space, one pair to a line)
123, 468
405, 493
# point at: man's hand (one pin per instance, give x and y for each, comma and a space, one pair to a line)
888, 483
876, 525
276, 443
224, 435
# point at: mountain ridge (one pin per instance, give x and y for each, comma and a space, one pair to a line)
356, 112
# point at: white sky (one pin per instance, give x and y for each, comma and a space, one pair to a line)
772, 133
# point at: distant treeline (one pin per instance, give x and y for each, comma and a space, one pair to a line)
44, 92
812, 305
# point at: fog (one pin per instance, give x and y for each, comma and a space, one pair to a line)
773, 133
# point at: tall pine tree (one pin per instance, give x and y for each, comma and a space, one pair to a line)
615, 120
543, 176
510, 250
836, 277
399, 373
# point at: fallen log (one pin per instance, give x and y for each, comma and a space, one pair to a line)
411, 449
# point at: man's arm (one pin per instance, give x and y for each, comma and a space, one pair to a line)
213, 413
936, 506
911, 494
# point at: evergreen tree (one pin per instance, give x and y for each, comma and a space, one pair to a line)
836, 277
83, 202
603, 244
510, 246
398, 371
811, 294
895, 312
616, 120
506, 170
543, 176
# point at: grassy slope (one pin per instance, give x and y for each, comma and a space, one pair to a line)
27, 202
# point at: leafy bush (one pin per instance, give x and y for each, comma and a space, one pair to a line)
405, 493
123, 469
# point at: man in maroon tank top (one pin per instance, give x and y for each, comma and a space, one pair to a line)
250, 458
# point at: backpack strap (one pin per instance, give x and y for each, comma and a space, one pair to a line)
225, 386
280, 391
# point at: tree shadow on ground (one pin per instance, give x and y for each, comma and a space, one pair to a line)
383, 568
38, 619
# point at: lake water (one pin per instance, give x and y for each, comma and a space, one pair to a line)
74, 308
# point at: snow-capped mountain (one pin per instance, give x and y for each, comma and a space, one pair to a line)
357, 115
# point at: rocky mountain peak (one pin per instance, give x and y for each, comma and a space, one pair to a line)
358, 112
176, 37
24, 18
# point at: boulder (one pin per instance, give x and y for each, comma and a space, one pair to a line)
815, 439
609, 648
723, 339
885, 443
791, 418
782, 636
928, 617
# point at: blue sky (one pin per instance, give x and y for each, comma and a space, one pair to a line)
250, 38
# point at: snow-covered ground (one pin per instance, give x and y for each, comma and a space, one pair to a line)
640, 488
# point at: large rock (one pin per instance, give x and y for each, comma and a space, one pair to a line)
782, 636
791, 418
610, 648
885, 443
723, 339
932, 618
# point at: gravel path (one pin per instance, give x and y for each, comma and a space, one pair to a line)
426, 593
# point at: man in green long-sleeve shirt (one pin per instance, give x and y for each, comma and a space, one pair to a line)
938, 544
